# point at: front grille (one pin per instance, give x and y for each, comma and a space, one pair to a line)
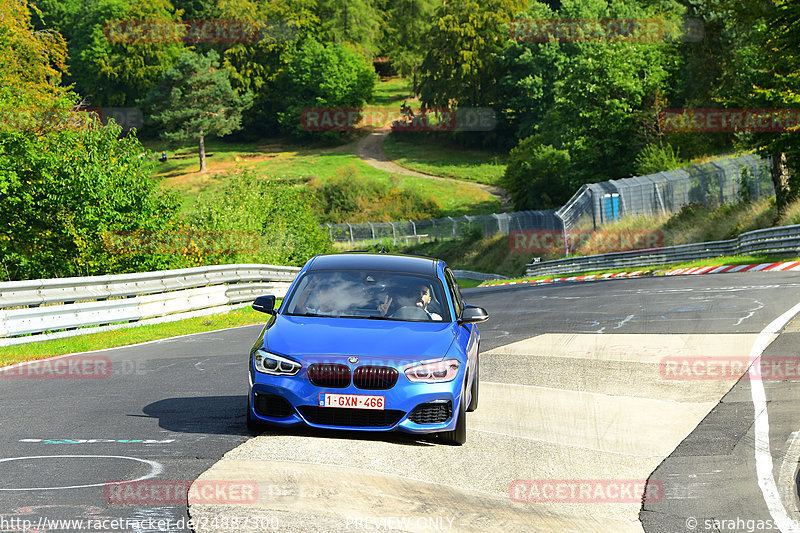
337, 416
329, 375
273, 406
375, 377
432, 413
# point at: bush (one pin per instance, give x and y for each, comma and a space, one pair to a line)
537, 176
65, 190
321, 76
349, 198
261, 221
656, 158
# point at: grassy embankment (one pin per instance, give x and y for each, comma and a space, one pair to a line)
692, 224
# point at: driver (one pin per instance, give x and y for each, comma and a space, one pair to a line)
422, 298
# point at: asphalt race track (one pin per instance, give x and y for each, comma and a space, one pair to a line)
590, 402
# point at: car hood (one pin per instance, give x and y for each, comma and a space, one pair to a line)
311, 336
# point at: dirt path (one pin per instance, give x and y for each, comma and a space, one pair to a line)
370, 150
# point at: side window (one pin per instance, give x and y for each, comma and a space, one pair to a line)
458, 302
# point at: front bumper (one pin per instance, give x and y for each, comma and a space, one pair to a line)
295, 400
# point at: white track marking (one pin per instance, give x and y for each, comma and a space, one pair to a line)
766, 480
786, 477
155, 470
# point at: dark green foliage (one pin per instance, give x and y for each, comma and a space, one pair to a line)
321, 76
537, 175
66, 192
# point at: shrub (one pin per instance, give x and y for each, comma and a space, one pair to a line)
537, 175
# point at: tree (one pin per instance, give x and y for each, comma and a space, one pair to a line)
407, 21
537, 175
353, 22
112, 65
459, 67
322, 75
195, 100
779, 86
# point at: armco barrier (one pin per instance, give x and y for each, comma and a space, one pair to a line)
783, 240
36, 306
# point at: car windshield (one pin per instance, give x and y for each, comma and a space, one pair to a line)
369, 295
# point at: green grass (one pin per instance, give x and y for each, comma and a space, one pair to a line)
438, 157
126, 336
390, 93
303, 164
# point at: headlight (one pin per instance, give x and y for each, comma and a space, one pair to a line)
269, 363
432, 371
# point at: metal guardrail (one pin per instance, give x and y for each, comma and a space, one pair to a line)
785, 239
37, 306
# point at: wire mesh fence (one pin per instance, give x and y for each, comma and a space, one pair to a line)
711, 184
412, 231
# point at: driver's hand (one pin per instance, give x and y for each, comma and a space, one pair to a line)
384, 307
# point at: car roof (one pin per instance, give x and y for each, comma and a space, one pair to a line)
412, 264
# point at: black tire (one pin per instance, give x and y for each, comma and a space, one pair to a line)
473, 402
458, 436
253, 426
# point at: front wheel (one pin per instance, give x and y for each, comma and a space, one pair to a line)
458, 436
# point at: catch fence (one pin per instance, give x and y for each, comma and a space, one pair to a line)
711, 184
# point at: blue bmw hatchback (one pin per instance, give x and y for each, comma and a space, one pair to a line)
368, 342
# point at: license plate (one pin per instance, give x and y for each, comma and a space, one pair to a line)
354, 401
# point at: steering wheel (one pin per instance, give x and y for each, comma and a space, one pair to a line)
411, 312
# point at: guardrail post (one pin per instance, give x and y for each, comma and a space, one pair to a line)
394, 232
415, 229
373, 230
351, 233
330, 230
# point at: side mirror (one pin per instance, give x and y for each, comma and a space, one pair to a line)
265, 304
472, 314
